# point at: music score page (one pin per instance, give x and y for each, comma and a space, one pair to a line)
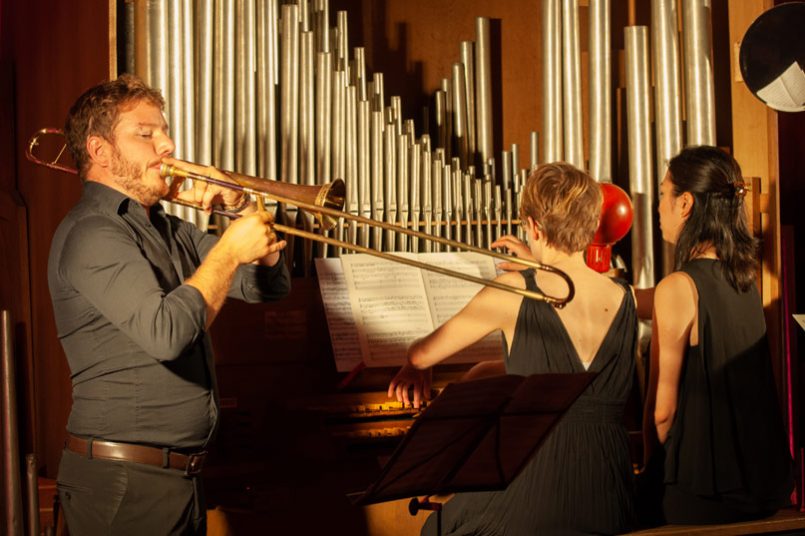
392, 305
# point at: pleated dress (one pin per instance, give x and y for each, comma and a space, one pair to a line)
580, 479
726, 454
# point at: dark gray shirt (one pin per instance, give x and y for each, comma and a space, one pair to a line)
140, 359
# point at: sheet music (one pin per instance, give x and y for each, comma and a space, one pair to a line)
389, 305
448, 295
376, 308
338, 310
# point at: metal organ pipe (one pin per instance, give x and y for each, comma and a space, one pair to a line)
403, 178
699, 96
158, 51
129, 36
358, 72
390, 183
665, 48
324, 97
342, 42
600, 82
321, 10
376, 173
166, 29
174, 87
188, 82
468, 60
665, 53
205, 32
571, 78
483, 90
245, 83
552, 148
534, 149
641, 181
436, 185
338, 126
426, 192
351, 157
364, 166
414, 168
460, 112
307, 144
223, 123
515, 160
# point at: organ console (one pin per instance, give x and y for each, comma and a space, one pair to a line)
291, 441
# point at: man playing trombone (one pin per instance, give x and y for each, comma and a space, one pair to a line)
134, 292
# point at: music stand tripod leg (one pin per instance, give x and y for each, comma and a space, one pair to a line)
426, 504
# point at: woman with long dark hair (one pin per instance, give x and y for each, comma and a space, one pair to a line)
712, 396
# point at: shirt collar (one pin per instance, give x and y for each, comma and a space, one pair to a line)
115, 203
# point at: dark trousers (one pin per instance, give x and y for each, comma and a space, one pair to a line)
102, 497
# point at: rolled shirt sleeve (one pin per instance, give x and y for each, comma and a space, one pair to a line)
253, 283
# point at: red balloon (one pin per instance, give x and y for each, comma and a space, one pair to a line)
615, 222
616, 215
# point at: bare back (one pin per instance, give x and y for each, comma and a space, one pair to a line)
589, 315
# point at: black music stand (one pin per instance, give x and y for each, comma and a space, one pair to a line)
475, 436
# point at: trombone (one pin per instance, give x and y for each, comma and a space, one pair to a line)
326, 202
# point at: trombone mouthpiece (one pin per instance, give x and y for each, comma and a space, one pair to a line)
169, 170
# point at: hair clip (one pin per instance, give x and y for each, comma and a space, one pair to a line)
739, 189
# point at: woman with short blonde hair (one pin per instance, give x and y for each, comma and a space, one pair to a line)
580, 480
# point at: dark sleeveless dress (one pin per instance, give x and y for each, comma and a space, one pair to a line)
580, 480
726, 454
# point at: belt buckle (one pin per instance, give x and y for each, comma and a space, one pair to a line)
194, 463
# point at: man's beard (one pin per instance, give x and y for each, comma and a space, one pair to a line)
130, 176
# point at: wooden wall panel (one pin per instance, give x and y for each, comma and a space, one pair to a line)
58, 50
755, 146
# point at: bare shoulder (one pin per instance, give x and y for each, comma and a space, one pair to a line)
514, 279
676, 293
607, 286
676, 283
497, 298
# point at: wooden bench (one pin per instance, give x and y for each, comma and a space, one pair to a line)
788, 521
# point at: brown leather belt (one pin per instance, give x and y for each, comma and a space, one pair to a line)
190, 464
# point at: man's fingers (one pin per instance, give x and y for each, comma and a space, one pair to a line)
207, 198
266, 217
277, 246
199, 189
